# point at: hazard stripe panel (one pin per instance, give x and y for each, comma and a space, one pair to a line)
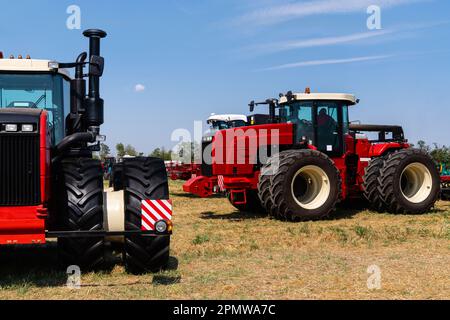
153, 211
221, 183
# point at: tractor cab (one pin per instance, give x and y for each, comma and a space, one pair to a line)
219, 122
28, 86
226, 121
319, 119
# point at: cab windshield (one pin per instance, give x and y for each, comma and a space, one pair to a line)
50, 92
223, 125
218, 125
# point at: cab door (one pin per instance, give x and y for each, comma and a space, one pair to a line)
329, 128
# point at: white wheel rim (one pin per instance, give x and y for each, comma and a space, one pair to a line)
310, 187
416, 182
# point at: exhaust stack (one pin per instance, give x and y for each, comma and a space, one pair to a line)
94, 116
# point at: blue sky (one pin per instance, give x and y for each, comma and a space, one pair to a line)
192, 58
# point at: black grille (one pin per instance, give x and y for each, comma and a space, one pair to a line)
19, 170
206, 168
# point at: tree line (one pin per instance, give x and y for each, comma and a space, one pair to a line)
123, 150
440, 154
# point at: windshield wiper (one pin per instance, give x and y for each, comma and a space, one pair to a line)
40, 100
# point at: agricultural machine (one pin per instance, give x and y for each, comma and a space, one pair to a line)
216, 122
445, 182
177, 170
308, 157
50, 185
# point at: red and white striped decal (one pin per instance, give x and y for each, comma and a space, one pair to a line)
154, 211
221, 183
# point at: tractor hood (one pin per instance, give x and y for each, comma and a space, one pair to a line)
20, 116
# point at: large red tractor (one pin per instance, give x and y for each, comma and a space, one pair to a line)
50, 185
309, 157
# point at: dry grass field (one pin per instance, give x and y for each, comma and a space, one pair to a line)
218, 253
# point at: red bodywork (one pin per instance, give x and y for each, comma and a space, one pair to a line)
201, 186
27, 225
242, 176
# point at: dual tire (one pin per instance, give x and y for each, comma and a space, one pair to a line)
80, 206
302, 184
406, 181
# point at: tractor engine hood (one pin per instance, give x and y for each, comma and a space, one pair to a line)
20, 116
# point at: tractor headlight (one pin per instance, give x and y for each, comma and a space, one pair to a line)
11, 128
27, 128
161, 226
53, 65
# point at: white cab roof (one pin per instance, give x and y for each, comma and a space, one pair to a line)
350, 98
29, 65
227, 117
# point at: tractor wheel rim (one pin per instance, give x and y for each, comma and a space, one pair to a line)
310, 187
416, 182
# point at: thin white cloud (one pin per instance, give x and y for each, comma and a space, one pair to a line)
139, 88
315, 42
397, 32
302, 9
326, 62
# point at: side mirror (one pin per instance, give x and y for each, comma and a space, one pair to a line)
252, 106
96, 66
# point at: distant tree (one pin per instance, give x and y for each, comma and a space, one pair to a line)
130, 151
156, 153
105, 151
120, 149
422, 145
439, 154
162, 154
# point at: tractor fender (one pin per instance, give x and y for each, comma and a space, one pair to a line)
381, 149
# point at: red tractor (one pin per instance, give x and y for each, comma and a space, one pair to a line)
309, 157
50, 185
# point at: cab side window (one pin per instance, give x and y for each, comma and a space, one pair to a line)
328, 127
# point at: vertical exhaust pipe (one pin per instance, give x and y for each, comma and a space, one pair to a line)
94, 115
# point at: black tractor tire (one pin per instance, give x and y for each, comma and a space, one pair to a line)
396, 182
80, 208
371, 191
265, 180
319, 167
264, 189
144, 179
